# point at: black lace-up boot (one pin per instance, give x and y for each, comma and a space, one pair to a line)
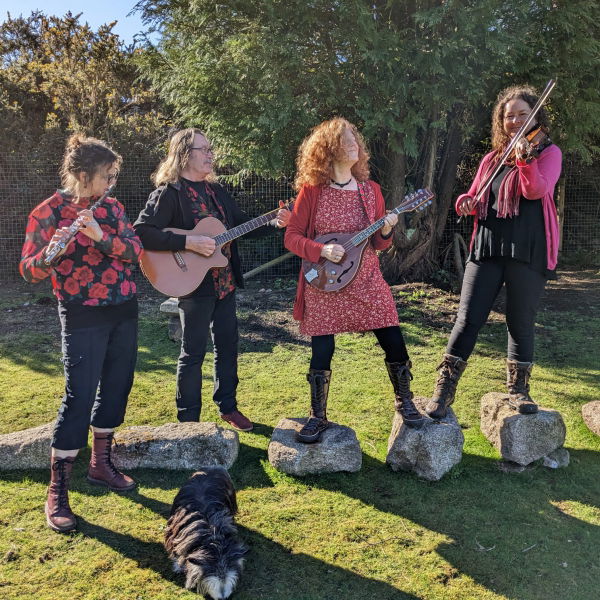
317, 422
400, 376
517, 382
59, 515
449, 372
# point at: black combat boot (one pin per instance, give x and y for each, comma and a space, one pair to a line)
317, 422
449, 372
517, 382
400, 376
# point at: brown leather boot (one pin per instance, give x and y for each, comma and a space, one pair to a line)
517, 382
58, 512
400, 376
102, 471
317, 422
449, 372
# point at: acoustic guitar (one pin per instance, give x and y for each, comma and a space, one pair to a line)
179, 273
328, 276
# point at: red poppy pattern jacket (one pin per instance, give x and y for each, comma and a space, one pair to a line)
89, 273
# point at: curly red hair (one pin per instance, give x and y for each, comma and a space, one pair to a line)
321, 147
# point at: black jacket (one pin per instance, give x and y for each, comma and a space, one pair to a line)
169, 206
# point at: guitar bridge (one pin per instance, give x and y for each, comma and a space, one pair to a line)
180, 262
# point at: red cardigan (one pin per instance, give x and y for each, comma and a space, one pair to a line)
300, 232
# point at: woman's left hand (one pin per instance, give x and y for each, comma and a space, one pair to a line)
391, 219
89, 225
283, 218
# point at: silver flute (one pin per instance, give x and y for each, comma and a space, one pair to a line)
74, 227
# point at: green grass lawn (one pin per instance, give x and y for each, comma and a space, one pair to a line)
478, 533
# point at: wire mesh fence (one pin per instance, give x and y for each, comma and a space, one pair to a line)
27, 180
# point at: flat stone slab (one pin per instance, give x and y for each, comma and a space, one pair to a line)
169, 446
591, 416
170, 306
26, 449
175, 446
519, 438
429, 452
338, 450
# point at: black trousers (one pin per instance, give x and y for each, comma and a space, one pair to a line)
99, 364
482, 283
389, 338
199, 315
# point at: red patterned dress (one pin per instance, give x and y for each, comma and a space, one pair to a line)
364, 304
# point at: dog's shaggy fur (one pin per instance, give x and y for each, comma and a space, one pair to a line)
201, 534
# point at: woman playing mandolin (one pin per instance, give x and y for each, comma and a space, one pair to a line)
514, 243
336, 196
187, 193
98, 312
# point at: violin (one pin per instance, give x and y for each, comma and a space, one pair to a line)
535, 141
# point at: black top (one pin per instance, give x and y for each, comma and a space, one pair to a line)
522, 237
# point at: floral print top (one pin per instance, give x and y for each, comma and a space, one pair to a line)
204, 204
89, 273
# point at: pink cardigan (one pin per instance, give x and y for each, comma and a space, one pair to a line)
536, 180
300, 232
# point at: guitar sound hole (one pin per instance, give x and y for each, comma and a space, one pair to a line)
339, 279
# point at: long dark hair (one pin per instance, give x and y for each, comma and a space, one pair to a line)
516, 92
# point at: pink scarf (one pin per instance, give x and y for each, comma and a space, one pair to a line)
509, 193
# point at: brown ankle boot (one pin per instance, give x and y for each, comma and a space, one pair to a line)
317, 422
449, 372
517, 382
400, 376
102, 471
58, 512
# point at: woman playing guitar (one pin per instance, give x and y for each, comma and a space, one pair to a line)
88, 256
187, 192
336, 195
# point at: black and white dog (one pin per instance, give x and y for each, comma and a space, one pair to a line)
201, 534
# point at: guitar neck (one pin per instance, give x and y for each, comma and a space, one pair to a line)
371, 229
244, 228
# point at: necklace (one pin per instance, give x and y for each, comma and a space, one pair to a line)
342, 185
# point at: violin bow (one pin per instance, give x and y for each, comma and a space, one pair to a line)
514, 141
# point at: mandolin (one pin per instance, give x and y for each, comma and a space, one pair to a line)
179, 273
328, 276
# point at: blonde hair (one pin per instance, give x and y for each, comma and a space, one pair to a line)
85, 155
322, 147
180, 146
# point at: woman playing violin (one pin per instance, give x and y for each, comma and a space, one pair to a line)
514, 243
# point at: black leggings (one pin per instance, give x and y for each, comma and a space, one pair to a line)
389, 338
481, 285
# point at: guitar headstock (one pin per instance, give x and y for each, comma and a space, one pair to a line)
417, 200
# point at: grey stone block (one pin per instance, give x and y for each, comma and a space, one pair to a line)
429, 452
338, 450
520, 438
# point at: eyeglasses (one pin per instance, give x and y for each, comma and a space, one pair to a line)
204, 149
111, 177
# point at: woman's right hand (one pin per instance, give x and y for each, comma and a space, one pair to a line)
465, 206
201, 244
60, 235
333, 252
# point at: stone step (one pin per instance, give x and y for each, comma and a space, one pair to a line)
338, 450
519, 438
169, 446
429, 452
